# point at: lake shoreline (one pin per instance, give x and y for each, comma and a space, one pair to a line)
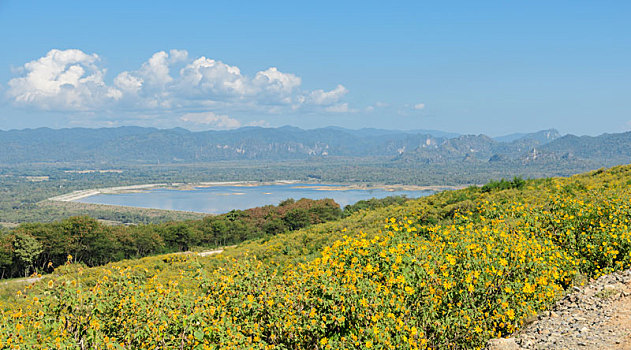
81, 194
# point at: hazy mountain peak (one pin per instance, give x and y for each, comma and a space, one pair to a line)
542, 136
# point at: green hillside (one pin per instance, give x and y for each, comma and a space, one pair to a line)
447, 271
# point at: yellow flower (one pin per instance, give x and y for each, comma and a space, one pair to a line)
511, 314
528, 288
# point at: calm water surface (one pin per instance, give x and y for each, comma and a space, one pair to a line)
222, 199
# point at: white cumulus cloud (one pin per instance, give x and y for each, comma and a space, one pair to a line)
321, 97
205, 77
62, 80
419, 106
211, 119
72, 80
128, 83
216, 121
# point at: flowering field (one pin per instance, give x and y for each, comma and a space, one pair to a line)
446, 271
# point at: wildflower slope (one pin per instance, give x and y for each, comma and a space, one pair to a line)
447, 271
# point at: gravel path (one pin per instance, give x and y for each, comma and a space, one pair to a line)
596, 316
210, 252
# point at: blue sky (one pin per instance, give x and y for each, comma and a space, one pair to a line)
492, 67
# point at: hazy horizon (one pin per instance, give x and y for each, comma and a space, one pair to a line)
293, 126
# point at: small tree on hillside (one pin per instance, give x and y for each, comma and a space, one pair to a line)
297, 219
26, 249
6, 255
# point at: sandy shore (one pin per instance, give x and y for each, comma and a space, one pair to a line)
73, 196
76, 195
80, 194
390, 188
193, 186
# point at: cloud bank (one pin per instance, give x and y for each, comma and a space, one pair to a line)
215, 121
72, 80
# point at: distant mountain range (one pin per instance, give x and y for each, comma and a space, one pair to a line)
514, 147
129, 145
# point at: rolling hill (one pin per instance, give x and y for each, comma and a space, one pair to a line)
447, 271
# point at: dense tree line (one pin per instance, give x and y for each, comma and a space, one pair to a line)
40, 247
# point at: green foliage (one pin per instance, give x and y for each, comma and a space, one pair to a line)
94, 243
517, 183
25, 249
374, 203
296, 219
288, 201
6, 253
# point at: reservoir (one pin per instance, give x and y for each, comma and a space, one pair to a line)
224, 198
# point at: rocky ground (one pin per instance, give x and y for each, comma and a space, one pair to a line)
596, 316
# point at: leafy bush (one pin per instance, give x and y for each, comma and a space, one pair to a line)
517, 183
